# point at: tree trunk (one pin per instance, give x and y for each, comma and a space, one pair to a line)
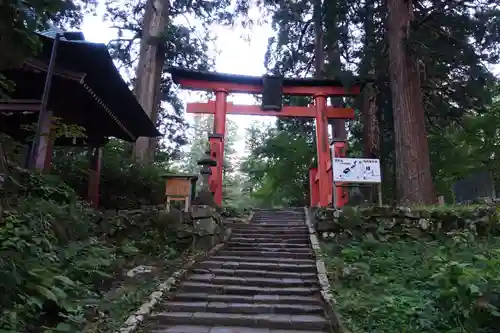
337, 126
413, 172
149, 70
319, 48
371, 130
369, 111
3, 179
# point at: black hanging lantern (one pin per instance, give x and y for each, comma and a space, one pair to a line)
272, 93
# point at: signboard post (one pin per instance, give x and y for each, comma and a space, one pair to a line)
357, 170
179, 187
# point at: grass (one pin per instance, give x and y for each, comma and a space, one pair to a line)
416, 286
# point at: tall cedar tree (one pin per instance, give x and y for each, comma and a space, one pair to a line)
149, 70
450, 40
413, 169
161, 35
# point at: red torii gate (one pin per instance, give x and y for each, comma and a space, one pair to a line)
272, 90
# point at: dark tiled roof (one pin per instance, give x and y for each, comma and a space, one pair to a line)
78, 55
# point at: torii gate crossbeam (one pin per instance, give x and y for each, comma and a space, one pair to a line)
224, 84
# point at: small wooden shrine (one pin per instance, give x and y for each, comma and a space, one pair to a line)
77, 82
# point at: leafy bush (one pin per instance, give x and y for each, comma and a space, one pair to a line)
57, 255
231, 211
124, 184
417, 285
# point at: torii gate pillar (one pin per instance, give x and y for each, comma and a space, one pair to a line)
323, 150
217, 143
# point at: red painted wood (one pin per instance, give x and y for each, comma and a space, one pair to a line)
313, 188
220, 128
342, 192
286, 111
323, 150
257, 89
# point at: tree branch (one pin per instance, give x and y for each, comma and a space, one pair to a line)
438, 9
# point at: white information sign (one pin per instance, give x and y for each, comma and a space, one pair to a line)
356, 170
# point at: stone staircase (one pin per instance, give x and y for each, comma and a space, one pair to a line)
263, 281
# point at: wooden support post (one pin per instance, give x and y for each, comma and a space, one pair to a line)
323, 149
342, 193
220, 129
313, 187
40, 146
50, 152
43, 153
95, 156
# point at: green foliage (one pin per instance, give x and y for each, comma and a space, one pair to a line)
278, 164
417, 285
234, 211
452, 41
466, 147
58, 256
124, 183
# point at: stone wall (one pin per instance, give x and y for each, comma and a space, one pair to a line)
203, 224
383, 222
208, 227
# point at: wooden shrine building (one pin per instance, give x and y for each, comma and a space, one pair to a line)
80, 86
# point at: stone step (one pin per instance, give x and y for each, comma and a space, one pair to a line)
276, 239
284, 231
283, 220
297, 217
263, 298
310, 268
189, 286
224, 329
276, 321
241, 307
268, 254
263, 233
291, 218
270, 239
255, 273
267, 235
252, 281
276, 228
277, 214
262, 259
277, 223
260, 245
305, 249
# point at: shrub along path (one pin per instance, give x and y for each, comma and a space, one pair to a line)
263, 281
